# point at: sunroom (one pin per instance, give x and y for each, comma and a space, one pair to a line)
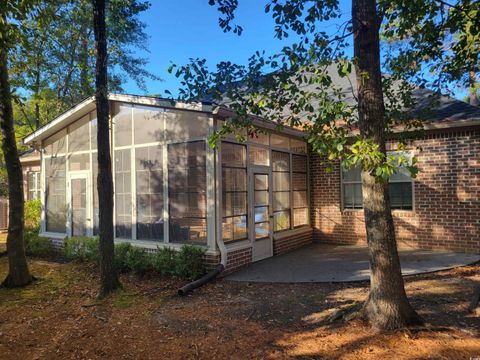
170, 187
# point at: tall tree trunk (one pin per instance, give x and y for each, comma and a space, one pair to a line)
108, 273
472, 81
37, 96
387, 306
18, 273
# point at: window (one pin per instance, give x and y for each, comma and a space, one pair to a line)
258, 155
79, 135
299, 189
400, 188
234, 192
33, 185
55, 195
123, 194
183, 125
187, 193
122, 122
148, 124
281, 190
149, 182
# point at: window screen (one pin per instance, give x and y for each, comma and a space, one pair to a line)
299, 190
281, 190
149, 183
123, 194
55, 195
234, 192
187, 193
33, 184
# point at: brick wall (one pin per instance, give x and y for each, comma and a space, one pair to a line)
446, 195
292, 242
237, 259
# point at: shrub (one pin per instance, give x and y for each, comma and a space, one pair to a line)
36, 245
138, 260
33, 210
82, 248
189, 262
121, 256
164, 261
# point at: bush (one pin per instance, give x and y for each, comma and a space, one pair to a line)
82, 248
36, 245
164, 261
138, 260
189, 262
121, 255
33, 211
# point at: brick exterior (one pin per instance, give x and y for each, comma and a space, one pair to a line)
446, 195
237, 259
292, 242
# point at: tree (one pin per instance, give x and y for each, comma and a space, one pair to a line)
295, 87
18, 272
108, 272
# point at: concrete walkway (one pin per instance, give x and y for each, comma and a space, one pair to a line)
330, 263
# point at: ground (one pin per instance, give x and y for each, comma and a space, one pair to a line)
58, 318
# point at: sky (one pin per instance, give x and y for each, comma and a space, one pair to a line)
183, 29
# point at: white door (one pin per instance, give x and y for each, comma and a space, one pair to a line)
80, 217
260, 214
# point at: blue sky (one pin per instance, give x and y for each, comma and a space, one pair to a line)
182, 29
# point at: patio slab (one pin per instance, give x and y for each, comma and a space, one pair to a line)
331, 263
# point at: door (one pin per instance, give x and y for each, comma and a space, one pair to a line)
261, 215
80, 217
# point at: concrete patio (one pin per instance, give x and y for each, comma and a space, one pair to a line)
331, 263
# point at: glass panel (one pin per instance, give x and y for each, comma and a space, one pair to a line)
299, 163
402, 174
79, 162
235, 203
281, 220
184, 125
352, 174
234, 155
281, 181
239, 227
298, 146
148, 123
56, 144
234, 179
261, 214
280, 161
123, 196
79, 207
401, 195
122, 121
261, 197
79, 135
259, 138
55, 195
187, 192
149, 182
299, 181
262, 230
300, 199
93, 130
300, 217
281, 200
280, 141
358, 196
259, 156
261, 182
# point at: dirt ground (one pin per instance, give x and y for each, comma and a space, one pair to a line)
58, 318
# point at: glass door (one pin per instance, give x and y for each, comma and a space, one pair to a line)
80, 219
262, 215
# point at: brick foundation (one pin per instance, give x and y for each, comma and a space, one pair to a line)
285, 244
446, 213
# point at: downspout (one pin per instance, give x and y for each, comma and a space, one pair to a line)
221, 246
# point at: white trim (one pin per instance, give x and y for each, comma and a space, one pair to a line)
53, 235
210, 190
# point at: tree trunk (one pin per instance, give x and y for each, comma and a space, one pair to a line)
472, 81
387, 306
18, 273
108, 273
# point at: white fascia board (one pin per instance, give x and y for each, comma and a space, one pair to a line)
61, 121
159, 102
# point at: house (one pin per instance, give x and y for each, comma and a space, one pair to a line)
248, 201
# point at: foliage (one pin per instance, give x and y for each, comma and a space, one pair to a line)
3, 182
164, 261
33, 211
190, 262
121, 255
82, 248
36, 245
138, 260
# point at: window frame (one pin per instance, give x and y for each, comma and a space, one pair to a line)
410, 154
37, 188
